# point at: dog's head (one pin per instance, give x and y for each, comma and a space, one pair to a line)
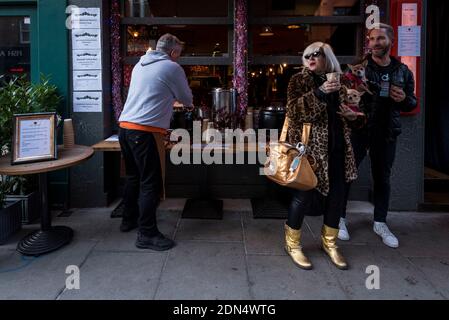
358, 70
353, 97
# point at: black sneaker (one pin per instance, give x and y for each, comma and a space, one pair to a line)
158, 242
127, 226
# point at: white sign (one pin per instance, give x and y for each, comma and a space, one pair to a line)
86, 18
86, 59
83, 39
35, 137
409, 14
87, 80
87, 102
409, 41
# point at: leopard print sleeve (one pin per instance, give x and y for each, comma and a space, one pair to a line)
302, 103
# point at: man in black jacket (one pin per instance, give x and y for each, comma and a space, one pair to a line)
393, 89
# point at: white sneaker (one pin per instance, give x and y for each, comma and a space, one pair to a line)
381, 229
343, 233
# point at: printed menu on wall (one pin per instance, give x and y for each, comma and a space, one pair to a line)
87, 60
87, 101
89, 80
85, 18
86, 39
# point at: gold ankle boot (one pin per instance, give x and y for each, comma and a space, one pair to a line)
329, 245
294, 249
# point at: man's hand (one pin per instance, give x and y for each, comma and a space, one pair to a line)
348, 113
329, 87
397, 94
190, 108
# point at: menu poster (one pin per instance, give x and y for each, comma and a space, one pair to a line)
86, 59
34, 138
409, 41
87, 101
409, 14
87, 80
83, 39
86, 18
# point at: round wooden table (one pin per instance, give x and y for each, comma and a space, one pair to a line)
49, 238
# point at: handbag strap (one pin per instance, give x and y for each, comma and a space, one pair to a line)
306, 128
284, 131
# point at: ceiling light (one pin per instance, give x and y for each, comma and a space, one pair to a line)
266, 32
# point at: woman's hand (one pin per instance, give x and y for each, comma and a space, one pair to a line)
329, 87
348, 113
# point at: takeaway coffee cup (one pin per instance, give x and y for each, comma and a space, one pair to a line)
69, 134
333, 77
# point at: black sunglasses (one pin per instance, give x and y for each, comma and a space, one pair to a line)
316, 54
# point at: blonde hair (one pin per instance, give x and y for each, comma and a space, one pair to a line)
331, 62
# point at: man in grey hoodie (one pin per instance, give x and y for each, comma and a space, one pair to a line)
157, 82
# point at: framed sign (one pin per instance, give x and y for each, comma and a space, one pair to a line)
34, 138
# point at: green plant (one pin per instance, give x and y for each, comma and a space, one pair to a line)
19, 96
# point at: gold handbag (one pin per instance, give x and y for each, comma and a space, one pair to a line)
289, 165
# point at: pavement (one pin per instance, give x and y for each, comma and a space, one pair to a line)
236, 258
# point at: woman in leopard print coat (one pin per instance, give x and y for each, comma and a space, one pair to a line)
312, 99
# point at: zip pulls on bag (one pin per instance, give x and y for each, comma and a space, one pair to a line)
296, 161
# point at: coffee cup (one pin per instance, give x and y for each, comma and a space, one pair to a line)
333, 77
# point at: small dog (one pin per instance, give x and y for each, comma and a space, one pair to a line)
353, 98
357, 77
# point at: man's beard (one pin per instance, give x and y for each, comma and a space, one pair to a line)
383, 51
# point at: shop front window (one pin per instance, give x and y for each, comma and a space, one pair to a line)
285, 40
205, 26
210, 41
279, 31
293, 8
175, 8
15, 50
268, 84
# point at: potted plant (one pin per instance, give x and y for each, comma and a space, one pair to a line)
19, 96
10, 214
25, 190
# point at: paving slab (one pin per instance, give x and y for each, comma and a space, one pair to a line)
118, 275
119, 242
399, 279
436, 270
43, 277
210, 271
277, 278
226, 230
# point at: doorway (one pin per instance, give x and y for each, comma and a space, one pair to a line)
436, 180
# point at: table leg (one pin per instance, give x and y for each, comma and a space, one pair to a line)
204, 207
49, 238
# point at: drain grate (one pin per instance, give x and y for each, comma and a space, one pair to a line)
269, 208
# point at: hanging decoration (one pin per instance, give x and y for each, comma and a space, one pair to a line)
116, 59
240, 55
